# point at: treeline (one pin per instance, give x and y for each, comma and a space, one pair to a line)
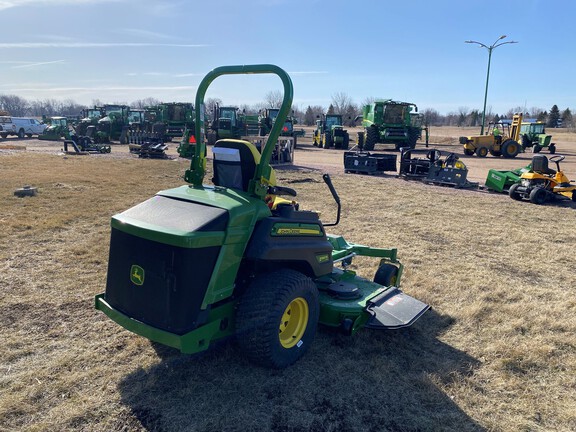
341, 103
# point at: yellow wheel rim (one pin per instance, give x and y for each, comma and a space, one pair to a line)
293, 323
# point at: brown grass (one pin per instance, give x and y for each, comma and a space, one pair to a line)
497, 352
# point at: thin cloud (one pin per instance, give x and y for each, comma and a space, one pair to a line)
186, 75
93, 45
308, 72
144, 34
165, 74
103, 89
7, 4
33, 65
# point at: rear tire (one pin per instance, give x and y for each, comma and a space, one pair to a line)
413, 137
346, 142
510, 148
536, 148
277, 318
513, 192
327, 140
538, 195
372, 137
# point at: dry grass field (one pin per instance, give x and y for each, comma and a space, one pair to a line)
496, 353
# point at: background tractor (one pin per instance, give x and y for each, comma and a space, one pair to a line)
391, 122
330, 132
534, 135
89, 117
541, 183
57, 128
266, 120
228, 122
177, 116
504, 144
200, 263
114, 122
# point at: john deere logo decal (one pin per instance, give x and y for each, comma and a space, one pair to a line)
137, 275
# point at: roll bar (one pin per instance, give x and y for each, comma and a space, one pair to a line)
259, 184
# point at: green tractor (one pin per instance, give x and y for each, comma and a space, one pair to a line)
391, 122
330, 133
177, 116
57, 128
114, 122
89, 118
228, 122
534, 135
199, 263
266, 120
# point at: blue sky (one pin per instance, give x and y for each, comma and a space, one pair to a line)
125, 50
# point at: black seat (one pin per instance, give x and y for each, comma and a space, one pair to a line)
234, 163
540, 165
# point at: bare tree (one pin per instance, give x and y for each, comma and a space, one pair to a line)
15, 105
312, 113
431, 117
367, 101
146, 102
69, 107
274, 99
341, 103
211, 106
462, 115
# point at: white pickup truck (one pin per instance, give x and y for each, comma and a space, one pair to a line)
20, 126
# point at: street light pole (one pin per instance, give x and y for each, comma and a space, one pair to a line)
490, 49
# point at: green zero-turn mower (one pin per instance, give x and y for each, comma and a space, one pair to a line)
198, 263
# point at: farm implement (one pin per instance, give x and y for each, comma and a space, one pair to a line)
199, 263
501, 180
432, 168
147, 144
84, 145
363, 162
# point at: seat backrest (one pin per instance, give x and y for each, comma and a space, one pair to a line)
234, 163
540, 165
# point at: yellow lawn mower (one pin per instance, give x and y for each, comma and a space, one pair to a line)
541, 183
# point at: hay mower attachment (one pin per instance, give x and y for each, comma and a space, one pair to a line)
199, 263
432, 168
501, 180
